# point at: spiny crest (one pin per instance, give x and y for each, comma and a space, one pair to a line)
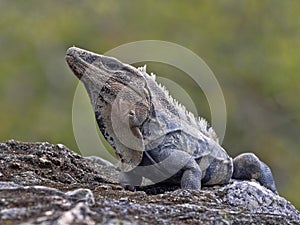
207, 129
184, 114
142, 68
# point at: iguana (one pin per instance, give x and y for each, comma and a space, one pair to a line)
152, 134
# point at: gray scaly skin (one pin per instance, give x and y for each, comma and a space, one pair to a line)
153, 136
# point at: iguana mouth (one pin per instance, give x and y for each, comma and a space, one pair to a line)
77, 62
74, 63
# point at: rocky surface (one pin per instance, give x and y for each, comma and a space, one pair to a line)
42, 183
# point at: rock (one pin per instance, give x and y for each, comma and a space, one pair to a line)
42, 183
99, 160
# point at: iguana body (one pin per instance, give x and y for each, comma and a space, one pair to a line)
153, 135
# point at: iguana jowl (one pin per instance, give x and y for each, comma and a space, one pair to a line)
153, 135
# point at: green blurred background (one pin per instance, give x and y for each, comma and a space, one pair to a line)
253, 47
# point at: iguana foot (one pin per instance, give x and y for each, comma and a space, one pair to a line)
247, 166
128, 187
129, 180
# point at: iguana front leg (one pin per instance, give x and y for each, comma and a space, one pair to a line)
247, 166
173, 164
165, 166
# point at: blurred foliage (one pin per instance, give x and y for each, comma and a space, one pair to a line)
252, 47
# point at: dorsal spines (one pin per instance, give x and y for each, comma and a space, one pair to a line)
185, 115
142, 68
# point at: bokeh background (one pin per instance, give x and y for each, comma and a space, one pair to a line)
253, 47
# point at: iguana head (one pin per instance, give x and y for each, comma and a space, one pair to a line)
120, 99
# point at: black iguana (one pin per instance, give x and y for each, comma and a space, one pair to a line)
152, 135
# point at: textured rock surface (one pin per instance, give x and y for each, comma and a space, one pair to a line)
42, 183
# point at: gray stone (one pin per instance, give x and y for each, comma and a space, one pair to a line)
70, 189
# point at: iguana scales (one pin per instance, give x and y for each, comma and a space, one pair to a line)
154, 136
